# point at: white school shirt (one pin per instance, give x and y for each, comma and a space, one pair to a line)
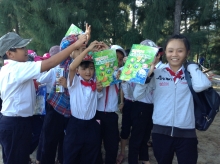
83, 101
160, 65
17, 87
49, 78
148, 98
112, 102
128, 89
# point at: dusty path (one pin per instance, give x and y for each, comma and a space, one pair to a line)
209, 141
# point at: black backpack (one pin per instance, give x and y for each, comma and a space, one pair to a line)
206, 105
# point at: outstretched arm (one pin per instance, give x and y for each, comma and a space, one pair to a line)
62, 55
76, 62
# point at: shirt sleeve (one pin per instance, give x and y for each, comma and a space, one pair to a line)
141, 90
99, 94
27, 70
47, 77
75, 81
126, 88
200, 82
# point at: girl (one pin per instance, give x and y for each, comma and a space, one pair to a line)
173, 115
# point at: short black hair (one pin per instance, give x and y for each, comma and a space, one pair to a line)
181, 37
11, 49
127, 51
85, 64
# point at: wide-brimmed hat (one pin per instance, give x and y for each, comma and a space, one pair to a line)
119, 48
150, 43
12, 40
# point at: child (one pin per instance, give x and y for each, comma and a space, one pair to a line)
107, 106
82, 139
173, 115
58, 110
49, 78
158, 60
18, 94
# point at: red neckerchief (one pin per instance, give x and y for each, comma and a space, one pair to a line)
91, 84
175, 75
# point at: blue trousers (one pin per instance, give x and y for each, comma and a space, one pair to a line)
82, 141
140, 133
126, 119
165, 146
15, 139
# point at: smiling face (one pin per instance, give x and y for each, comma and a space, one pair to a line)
19, 54
176, 54
86, 70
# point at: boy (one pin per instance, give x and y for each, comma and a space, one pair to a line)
58, 108
82, 140
18, 94
141, 117
107, 106
58, 111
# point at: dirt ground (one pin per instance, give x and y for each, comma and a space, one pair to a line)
209, 141
208, 147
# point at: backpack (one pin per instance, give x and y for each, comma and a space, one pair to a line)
206, 105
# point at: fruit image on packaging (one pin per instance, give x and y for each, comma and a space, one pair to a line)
128, 72
108, 71
143, 60
104, 79
102, 68
139, 58
107, 65
132, 60
129, 66
136, 66
102, 74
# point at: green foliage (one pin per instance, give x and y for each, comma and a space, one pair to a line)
115, 22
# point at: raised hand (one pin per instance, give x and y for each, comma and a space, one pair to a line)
62, 81
99, 86
88, 31
94, 46
82, 39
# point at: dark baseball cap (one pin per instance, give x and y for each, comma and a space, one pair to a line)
12, 40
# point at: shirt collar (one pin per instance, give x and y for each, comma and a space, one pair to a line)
168, 66
158, 64
84, 80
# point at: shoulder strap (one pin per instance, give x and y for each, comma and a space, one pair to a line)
195, 96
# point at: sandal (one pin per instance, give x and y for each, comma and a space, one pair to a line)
120, 158
150, 144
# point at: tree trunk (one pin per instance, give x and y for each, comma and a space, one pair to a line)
133, 6
177, 16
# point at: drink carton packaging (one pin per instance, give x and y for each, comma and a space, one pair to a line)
59, 73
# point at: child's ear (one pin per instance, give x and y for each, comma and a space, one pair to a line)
9, 55
77, 70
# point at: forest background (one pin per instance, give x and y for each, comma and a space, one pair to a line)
122, 22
